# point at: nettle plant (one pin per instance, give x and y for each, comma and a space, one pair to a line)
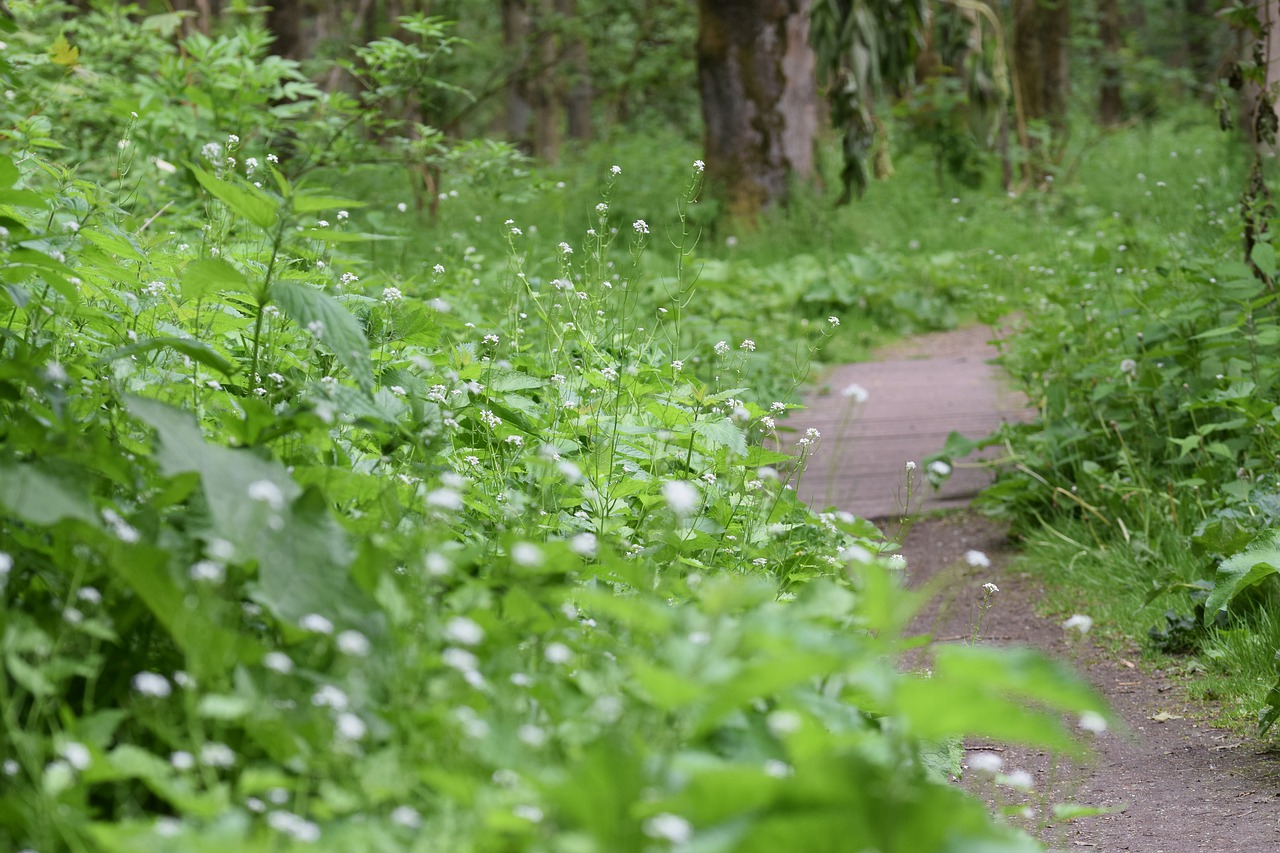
296, 553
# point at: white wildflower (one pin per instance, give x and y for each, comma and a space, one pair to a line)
353, 643
152, 684
463, 631
977, 559
681, 496
1078, 622
316, 624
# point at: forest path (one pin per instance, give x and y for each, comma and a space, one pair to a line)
1178, 783
918, 392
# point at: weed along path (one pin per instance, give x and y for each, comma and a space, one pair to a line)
1176, 783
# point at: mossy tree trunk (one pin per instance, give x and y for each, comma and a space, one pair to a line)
1110, 44
756, 73
1041, 32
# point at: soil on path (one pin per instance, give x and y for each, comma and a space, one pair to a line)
1183, 785
1179, 784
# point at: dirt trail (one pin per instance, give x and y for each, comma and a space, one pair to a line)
1181, 785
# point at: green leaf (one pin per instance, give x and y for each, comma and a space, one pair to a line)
333, 324
722, 433
1264, 256
247, 202
202, 278
1250, 567
22, 198
301, 553
197, 351
117, 243
512, 380
8, 172
37, 498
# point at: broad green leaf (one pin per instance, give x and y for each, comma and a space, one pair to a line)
62, 53
38, 498
8, 172
22, 198
324, 317
512, 380
226, 474
211, 649
1264, 255
722, 433
1259, 561
303, 567
301, 553
197, 351
213, 275
118, 243
247, 202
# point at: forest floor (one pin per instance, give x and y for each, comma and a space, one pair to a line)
1175, 783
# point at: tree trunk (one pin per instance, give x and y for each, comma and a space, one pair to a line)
543, 88
1110, 94
515, 38
1198, 22
756, 73
578, 98
1041, 30
284, 20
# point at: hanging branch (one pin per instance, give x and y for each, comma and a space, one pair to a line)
864, 49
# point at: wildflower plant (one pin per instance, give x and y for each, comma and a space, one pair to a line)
309, 547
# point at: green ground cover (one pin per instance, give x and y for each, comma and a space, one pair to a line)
327, 524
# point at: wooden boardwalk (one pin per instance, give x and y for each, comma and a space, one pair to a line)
917, 395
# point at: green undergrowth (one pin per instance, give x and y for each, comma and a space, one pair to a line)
1228, 669
1148, 484
325, 527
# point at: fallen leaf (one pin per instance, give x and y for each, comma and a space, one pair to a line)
1127, 663
1165, 716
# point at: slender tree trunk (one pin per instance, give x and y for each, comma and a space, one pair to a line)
1041, 30
284, 20
756, 73
578, 98
544, 94
1197, 23
1110, 93
515, 38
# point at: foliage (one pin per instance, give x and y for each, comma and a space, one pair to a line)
864, 49
307, 542
1157, 436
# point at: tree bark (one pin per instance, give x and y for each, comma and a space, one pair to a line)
543, 89
1041, 30
756, 73
1110, 93
515, 38
578, 98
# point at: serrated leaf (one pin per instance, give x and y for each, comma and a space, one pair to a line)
501, 381
117, 244
62, 53
201, 278
247, 202
333, 324
1252, 566
197, 351
722, 433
